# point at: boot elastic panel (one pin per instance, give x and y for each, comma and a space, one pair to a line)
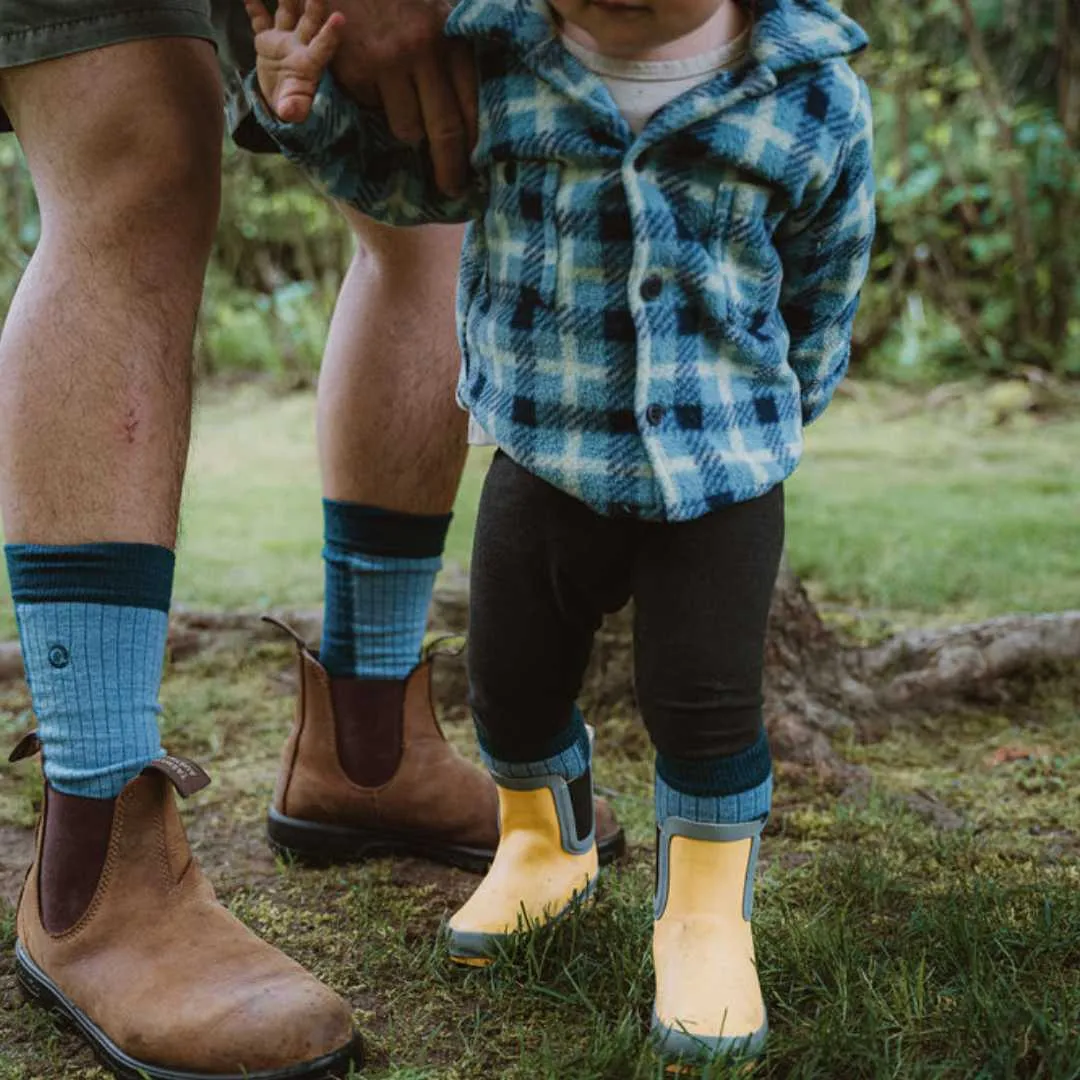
581, 800
368, 726
74, 846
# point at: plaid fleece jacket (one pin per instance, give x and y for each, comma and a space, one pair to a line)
646, 322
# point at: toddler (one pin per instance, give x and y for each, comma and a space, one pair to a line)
671, 218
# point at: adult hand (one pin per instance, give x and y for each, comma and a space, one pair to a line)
393, 51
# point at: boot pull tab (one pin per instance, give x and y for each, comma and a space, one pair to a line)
301, 644
442, 645
184, 775
27, 747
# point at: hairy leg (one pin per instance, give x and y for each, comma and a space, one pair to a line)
124, 147
390, 432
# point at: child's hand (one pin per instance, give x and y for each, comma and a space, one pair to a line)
293, 49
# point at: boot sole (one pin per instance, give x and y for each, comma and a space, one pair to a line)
471, 948
40, 990
314, 843
686, 1054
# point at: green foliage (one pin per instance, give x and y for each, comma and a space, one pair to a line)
977, 264
280, 254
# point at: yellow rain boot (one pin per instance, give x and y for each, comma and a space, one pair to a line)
708, 1000
545, 865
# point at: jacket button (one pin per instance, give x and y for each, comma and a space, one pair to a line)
654, 414
652, 287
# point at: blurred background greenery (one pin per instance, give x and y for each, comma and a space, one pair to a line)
943, 483
977, 262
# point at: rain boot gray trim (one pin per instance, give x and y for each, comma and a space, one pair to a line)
675, 1044
477, 945
564, 808
720, 834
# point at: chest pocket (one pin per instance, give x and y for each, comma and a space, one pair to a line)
522, 235
720, 218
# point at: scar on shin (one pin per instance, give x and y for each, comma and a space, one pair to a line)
131, 425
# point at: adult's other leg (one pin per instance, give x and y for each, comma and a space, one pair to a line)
392, 444
123, 143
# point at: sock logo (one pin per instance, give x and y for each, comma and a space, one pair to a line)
59, 657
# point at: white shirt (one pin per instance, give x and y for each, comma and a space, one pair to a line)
641, 88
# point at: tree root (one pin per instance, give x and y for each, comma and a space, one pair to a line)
817, 687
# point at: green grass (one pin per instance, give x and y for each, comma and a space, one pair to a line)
920, 514
938, 511
922, 921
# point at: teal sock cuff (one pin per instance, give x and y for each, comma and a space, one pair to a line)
568, 754
358, 529
94, 671
124, 575
709, 777
738, 809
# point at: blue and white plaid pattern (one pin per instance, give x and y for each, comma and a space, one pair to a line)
647, 322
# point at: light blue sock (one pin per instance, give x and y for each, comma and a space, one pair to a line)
380, 572
568, 755
732, 790
93, 619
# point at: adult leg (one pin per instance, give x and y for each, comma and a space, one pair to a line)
392, 444
123, 146
123, 143
390, 431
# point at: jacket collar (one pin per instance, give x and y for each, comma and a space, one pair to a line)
787, 34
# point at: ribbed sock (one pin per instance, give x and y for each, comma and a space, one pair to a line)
93, 620
380, 574
716, 791
568, 755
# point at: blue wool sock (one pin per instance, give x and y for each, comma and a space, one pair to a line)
380, 574
93, 619
568, 755
716, 791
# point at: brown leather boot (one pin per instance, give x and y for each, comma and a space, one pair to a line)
367, 771
157, 976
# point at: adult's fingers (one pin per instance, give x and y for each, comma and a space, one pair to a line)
463, 76
402, 105
444, 124
258, 16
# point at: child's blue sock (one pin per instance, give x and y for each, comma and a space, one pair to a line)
380, 574
93, 620
716, 791
568, 755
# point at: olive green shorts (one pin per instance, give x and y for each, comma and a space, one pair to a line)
33, 30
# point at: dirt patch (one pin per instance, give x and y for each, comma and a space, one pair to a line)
16, 854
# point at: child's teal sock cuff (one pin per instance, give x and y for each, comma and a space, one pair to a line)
719, 775
567, 755
728, 790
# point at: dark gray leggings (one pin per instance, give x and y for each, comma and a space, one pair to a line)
546, 569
